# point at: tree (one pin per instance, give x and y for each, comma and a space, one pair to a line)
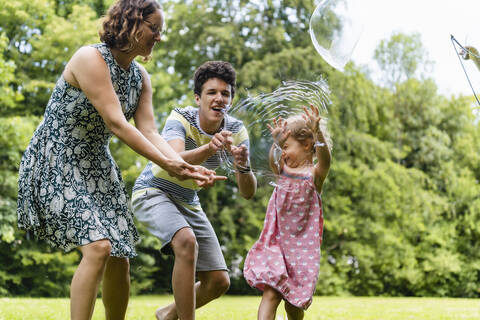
402, 57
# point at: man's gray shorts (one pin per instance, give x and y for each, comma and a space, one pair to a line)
163, 217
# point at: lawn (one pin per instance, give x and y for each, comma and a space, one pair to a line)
243, 307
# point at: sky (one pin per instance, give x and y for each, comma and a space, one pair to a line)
435, 20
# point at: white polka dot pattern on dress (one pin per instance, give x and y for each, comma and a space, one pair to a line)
287, 254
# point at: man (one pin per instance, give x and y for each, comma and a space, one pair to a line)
170, 208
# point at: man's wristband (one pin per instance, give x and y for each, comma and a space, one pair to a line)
244, 170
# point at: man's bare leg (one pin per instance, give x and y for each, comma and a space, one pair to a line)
185, 248
211, 285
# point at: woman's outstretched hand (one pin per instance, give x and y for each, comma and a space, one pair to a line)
211, 177
183, 170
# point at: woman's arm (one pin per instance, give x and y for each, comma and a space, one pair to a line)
145, 119
88, 69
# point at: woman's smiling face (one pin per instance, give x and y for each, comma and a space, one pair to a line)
151, 32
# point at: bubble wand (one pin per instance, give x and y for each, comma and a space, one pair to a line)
465, 52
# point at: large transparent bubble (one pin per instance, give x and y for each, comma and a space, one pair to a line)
258, 111
335, 28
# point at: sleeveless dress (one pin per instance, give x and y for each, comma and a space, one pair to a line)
286, 257
70, 191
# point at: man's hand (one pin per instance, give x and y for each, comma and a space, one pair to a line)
221, 140
240, 156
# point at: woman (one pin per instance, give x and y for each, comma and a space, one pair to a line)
70, 190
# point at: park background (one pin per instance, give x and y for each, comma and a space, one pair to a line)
401, 200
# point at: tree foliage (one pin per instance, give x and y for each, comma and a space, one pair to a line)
400, 202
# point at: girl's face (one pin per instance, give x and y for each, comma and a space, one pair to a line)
296, 153
152, 28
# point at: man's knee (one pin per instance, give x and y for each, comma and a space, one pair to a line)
219, 283
184, 244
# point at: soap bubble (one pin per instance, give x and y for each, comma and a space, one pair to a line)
335, 28
258, 111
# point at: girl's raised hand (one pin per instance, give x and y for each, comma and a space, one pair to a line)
312, 117
279, 131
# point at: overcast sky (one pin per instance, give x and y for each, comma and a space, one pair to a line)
435, 20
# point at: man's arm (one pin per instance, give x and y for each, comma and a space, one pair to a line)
246, 181
199, 155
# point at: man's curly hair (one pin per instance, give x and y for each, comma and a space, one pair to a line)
121, 26
214, 69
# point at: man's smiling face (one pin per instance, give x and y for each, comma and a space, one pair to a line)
213, 102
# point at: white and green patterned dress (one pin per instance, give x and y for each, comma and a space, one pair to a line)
70, 190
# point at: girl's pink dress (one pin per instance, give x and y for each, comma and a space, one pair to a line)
286, 257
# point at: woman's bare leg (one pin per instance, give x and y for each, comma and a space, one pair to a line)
87, 277
116, 288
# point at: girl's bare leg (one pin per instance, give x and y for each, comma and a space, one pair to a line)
271, 298
293, 313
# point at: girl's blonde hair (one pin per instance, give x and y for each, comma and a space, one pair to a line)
302, 133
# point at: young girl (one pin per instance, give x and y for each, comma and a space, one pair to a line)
284, 262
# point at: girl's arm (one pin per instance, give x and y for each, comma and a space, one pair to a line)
280, 135
322, 152
275, 164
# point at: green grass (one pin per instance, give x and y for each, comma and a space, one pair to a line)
240, 308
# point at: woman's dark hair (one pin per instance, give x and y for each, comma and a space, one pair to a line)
214, 69
120, 28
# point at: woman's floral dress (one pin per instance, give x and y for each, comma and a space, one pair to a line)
70, 190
